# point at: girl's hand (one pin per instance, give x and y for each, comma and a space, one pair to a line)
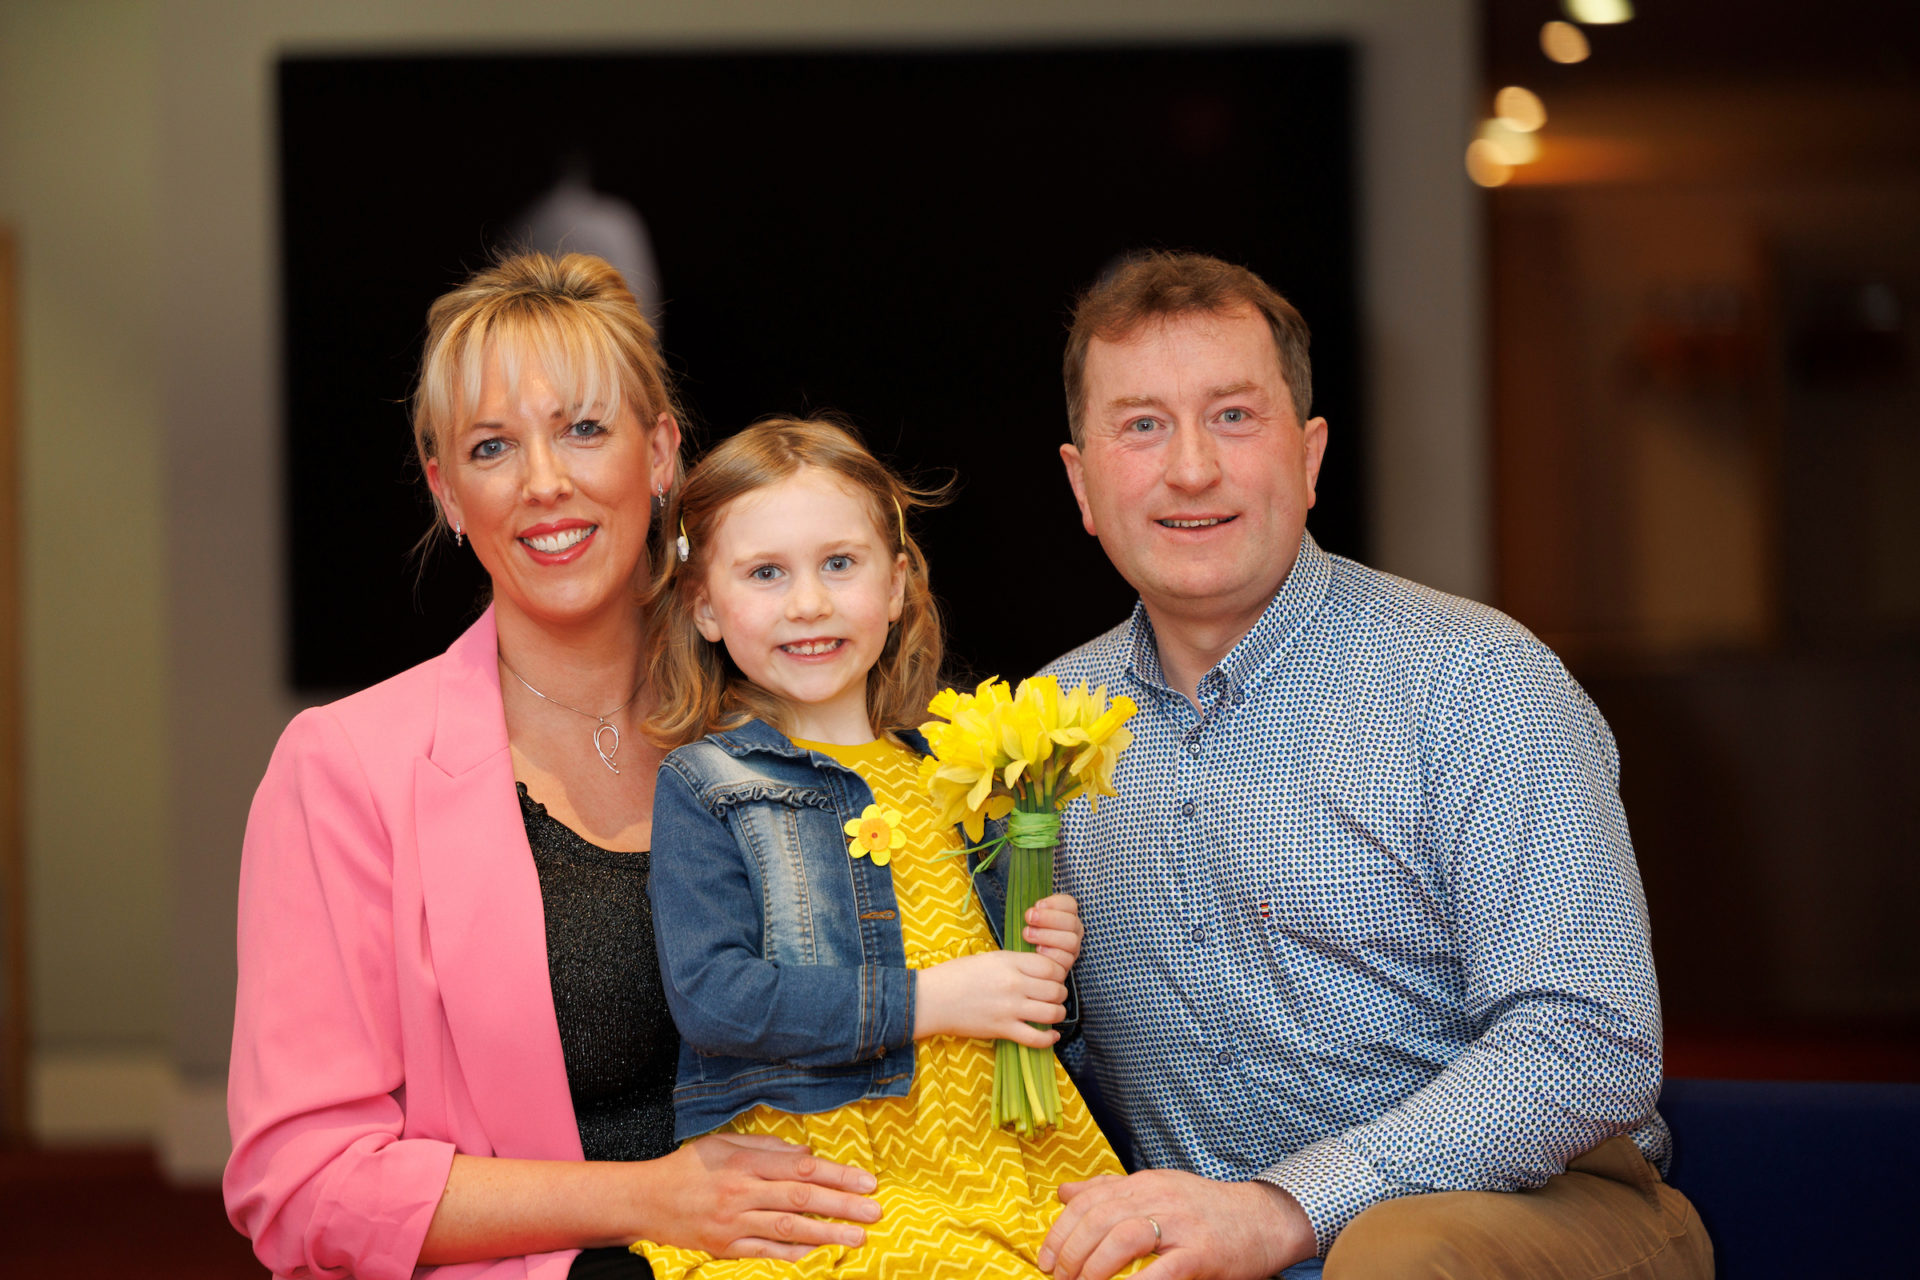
996, 995
1053, 926
739, 1195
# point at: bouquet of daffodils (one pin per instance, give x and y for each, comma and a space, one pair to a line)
1022, 755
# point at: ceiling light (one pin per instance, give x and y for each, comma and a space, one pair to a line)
1564, 42
1598, 13
1520, 108
1484, 165
1509, 144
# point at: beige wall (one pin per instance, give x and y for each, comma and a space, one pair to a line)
136, 158
79, 181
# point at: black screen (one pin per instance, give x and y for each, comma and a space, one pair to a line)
893, 236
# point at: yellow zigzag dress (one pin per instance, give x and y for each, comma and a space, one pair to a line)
959, 1197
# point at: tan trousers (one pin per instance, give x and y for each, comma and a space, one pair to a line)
1608, 1217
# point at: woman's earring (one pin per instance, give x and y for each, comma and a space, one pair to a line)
459, 538
659, 499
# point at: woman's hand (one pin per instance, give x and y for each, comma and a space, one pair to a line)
732, 1195
996, 995
1054, 928
750, 1196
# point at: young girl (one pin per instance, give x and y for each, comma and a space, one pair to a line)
837, 982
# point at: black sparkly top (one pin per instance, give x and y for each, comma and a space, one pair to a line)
618, 1038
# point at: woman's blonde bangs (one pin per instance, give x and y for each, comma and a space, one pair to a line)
578, 354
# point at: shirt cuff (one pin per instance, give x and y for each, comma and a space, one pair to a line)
1333, 1183
887, 1020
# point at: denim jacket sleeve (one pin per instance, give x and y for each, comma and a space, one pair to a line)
725, 998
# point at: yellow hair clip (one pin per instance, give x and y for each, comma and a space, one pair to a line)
903, 523
680, 543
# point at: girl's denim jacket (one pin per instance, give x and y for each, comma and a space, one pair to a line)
781, 954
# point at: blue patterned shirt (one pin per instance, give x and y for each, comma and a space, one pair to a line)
1367, 922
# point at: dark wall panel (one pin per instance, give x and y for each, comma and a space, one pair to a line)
893, 236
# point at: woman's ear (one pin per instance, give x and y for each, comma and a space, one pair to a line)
443, 495
663, 452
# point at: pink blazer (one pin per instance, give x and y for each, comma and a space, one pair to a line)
394, 1005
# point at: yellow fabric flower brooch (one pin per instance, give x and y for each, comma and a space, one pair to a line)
876, 833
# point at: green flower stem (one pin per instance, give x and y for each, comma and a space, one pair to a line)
1025, 1094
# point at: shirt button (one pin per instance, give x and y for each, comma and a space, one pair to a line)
1193, 746
1199, 934
1186, 810
1226, 1056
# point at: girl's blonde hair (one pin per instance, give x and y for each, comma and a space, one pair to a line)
571, 316
697, 688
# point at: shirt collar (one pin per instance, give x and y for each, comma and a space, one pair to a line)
1293, 606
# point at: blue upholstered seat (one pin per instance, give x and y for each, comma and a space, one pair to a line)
1800, 1180
1795, 1181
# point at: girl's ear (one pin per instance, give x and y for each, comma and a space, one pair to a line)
898, 600
703, 619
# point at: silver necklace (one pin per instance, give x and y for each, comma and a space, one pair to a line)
600, 724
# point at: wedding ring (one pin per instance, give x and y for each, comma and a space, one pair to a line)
1156, 1229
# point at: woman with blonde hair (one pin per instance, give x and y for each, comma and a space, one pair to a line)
451, 1047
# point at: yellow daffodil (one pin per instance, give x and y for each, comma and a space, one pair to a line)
1081, 708
1034, 747
1078, 709
944, 703
1024, 740
993, 692
877, 834
952, 786
1042, 694
1094, 764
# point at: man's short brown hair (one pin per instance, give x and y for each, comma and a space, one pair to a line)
1159, 286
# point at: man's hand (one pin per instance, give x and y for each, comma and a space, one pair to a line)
1218, 1230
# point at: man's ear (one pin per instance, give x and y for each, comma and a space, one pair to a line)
1070, 455
703, 619
1316, 448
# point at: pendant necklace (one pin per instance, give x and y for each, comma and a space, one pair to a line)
600, 725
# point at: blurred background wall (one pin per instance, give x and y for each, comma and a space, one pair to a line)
1705, 409
136, 172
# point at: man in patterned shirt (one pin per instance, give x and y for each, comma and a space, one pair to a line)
1366, 975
